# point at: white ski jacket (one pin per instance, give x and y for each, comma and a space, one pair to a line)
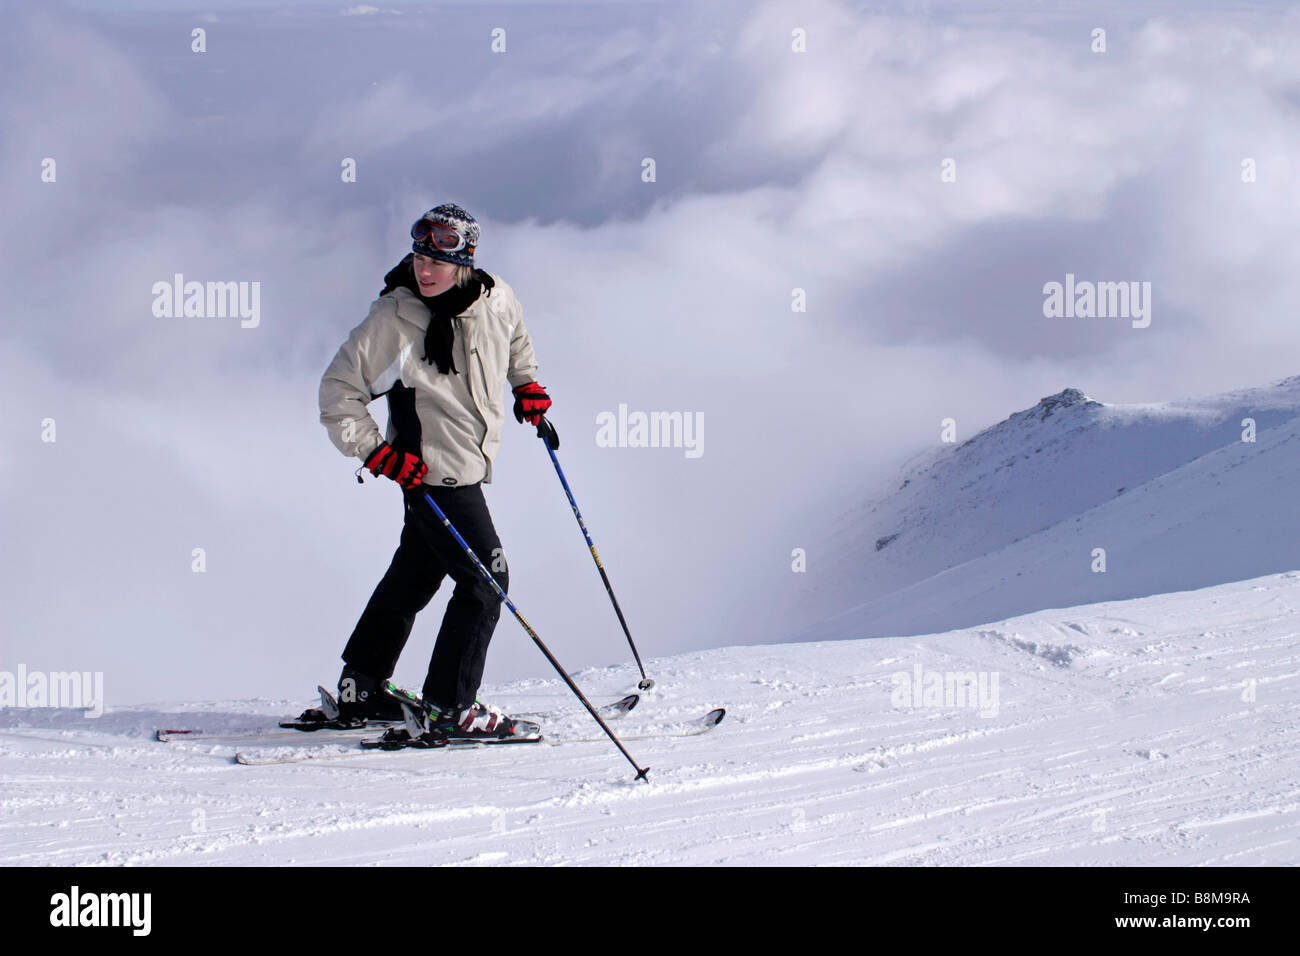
452, 421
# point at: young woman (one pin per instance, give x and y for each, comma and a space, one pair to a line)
440, 342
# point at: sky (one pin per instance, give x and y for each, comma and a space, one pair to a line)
796, 146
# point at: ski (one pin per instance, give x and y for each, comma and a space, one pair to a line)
284, 732
325, 723
383, 744
326, 717
311, 720
611, 711
400, 738
687, 728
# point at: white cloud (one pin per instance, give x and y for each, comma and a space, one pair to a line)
776, 170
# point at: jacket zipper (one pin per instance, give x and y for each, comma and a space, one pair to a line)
482, 374
472, 358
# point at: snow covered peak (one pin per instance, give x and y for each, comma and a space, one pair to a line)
1040, 467
1068, 404
1065, 398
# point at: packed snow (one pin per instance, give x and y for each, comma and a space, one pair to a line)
1158, 730
1155, 727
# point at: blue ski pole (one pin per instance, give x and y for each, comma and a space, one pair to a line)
546, 432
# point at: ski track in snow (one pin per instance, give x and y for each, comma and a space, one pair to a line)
1124, 736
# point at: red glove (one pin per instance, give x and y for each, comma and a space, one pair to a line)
531, 403
403, 467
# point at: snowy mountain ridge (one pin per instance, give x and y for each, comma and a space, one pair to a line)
1042, 466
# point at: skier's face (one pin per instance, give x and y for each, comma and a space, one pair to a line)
433, 275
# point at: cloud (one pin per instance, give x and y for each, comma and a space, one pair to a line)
775, 171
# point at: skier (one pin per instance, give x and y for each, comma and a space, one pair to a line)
439, 343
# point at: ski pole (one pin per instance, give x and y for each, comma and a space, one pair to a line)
640, 771
546, 432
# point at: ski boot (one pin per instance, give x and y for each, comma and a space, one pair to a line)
324, 717
362, 700
479, 722
426, 725
366, 698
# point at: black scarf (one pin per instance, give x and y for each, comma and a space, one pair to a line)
444, 307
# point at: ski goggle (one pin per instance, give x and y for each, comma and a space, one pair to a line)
439, 235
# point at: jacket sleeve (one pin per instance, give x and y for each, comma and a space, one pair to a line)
523, 363
365, 367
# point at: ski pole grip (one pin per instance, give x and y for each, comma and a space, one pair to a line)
546, 431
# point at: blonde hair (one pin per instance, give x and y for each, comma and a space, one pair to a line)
464, 275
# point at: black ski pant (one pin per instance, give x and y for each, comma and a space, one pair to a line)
426, 554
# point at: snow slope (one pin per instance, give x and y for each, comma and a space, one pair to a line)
1228, 515
1153, 731
976, 532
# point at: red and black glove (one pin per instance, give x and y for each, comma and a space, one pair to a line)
531, 403
401, 466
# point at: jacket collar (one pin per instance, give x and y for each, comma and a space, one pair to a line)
412, 309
